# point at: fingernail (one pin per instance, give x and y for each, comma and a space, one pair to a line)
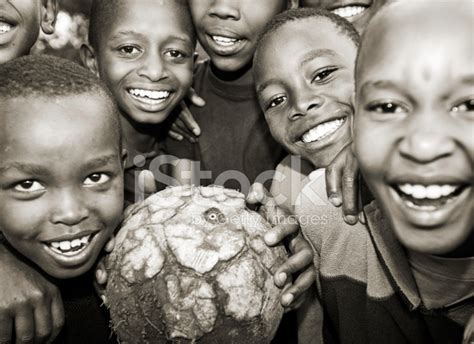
98, 275
197, 132
350, 219
335, 200
270, 238
282, 278
287, 299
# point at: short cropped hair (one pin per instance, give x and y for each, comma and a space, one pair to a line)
44, 76
281, 19
103, 12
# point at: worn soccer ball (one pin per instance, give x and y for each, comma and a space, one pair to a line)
190, 265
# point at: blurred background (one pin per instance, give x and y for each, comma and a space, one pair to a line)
70, 32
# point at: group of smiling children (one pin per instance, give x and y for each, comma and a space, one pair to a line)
400, 100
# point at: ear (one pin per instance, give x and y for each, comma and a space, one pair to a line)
88, 58
49, 11
293, 4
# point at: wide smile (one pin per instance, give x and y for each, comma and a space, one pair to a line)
225, 44
349, 11
7, 29
150, 100
72, 252
322, 131
429, 205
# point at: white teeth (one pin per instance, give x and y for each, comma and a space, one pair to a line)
4, 28
322, 130
349, 11
65, 246
227, 41
420, 207
153, 95
76, 243
433, 192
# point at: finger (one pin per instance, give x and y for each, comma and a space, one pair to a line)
6, 325
293, 264
178, 128
43, 322
298, 288
333, 185
350, 192
257, 194
146, 182
57, 316
24, 327
278, 233
195, 98
175, 136
101, 273
109, 246
189, 122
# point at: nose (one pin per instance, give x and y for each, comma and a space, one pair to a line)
426, 139
305, 100
225, 9
153, 67
69, 208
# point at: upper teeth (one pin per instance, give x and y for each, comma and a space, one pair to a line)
224, 40
4, 27
322, 130
66, 245
349, 11
419, 191
155, 95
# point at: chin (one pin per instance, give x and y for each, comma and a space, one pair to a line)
435, 241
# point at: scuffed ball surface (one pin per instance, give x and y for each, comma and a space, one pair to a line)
190, 265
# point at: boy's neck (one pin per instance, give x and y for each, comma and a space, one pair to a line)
139, 137
243, 76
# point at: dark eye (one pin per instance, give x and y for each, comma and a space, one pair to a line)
96, 179
386, 108
176, 54
214, 216
466, 106
28, 186
129, 50
323, 75
276, 101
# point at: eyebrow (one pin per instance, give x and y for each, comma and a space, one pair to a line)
135, 33
381, 84
39, 170
267, 83
315, 54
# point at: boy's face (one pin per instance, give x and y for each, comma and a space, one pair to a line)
146, 58
228, 30
358, 12
304, 78
413, 128
20, 22
61, 181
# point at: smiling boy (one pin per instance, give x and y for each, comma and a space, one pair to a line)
305, 91
144, 52
20, 23
407, 274
61, 181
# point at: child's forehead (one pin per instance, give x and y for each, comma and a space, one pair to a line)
138, 15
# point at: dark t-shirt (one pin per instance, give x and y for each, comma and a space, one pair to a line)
85, 320
235, 142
